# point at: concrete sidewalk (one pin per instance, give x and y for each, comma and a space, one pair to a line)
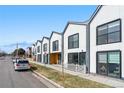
118, 83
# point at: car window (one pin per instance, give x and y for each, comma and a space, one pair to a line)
23, 62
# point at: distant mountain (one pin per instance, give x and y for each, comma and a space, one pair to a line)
11, 47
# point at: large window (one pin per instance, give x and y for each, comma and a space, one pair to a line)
73, 41
55, 45
76, 58
45, 58
38, 49
109, 32
35, 51
73, 58
39, 58
114, 64
109, 63
82, 58
102, 63
45, 47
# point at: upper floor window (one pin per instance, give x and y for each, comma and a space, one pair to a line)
55, 45
73, 41
38, 49
35, 51
109, 32
45, 47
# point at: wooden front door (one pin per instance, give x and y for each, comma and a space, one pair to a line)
54, 58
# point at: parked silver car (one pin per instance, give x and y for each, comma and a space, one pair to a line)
14, 59
21, 64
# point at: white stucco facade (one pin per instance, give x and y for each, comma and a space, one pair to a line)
29, 52
71, 30
39, 45
38, 53
55, 37
32, 49
45, 41
104, 15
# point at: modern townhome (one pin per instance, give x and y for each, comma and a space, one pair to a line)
55, 48
45, 50
29, 52
33, 48
74, 44
38, 51
107, 41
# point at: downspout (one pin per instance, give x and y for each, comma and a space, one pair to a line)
41, 52
62, 58
62, 53
49, 53
63, 66
88, 48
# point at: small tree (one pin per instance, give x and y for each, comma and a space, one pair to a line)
20, 51
2, 53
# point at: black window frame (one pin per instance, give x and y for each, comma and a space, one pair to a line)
45, 47
38, 49
80, 55
108, 62
72, 55
55, 45
73, 45
108, 33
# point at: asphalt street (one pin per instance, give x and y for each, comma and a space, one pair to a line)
17, 79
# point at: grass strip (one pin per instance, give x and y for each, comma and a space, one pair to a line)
70, 81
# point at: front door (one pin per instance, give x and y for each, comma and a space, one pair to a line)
82, 58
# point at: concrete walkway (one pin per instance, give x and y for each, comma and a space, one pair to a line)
118, 83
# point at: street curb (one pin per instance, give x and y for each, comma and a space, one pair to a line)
50, 81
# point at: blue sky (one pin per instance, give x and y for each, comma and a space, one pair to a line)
26, 24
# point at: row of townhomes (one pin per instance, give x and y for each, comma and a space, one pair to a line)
97, 44
29, 52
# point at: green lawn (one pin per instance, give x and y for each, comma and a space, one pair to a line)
70, 81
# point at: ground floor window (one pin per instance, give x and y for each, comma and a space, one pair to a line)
76, 58
73, 58
109, 63
39, 57
45, 58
